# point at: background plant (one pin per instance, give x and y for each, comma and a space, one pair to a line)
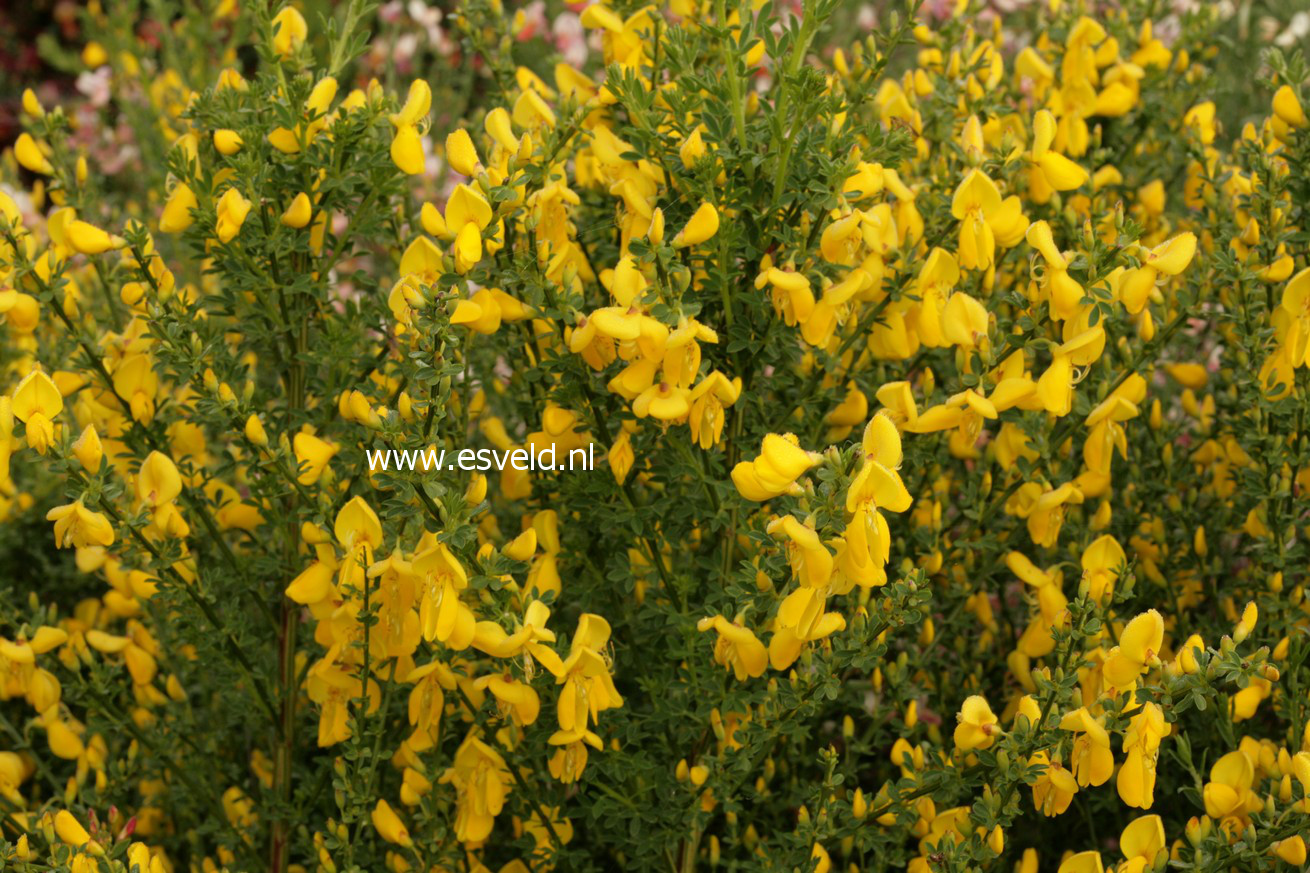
947, 370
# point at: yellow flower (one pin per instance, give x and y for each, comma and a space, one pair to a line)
1287, 106
621, 456
1228, 795
406, 147
177, 215
1250, 614
984, 220
30, 155
461, 154
333, 685
978, 726
136, 381
227, 142
700, 227
1093, 762
1083, 862
1055, 787
157, 482
87, 449
1169, 258
414, 787
289, 32
232, 211
692, 149
255, 432
1141, 843
663, 401
736, 648
853, 409
810, 560
588, 687
570, 758
35, 402
964, 321
866, 542
1138, 648
31, 105
317, 105
1057, 171
407, 150
528, 642
775, 471
1292, 850
442, 616
1189, 653
312, 456
427, 700
91, 240
1044, 510
1136, 780
1064, 293
801, 619
708, 400
1102, 561
71, 832
467, 214
516, 699
389, 825
1055, 387
297, 214
482, 783
792, 296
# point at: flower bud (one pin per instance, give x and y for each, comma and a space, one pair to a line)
461, 154
1247, 624
300, 211
255, 431
859, 806
31, 105
702, 225
88, 449
227, 142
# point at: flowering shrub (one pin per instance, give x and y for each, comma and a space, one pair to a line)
949, 390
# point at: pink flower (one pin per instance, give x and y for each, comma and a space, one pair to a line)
96, 85
570, 38
1007, 6
939, 9
534, 20
428, 18
1167, 30
402, 54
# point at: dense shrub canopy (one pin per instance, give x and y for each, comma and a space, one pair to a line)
945, 386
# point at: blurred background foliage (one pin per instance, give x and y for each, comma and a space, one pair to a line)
41, 40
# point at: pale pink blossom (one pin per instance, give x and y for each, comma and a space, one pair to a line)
570, 38
938, 9
403, 53
95, 85
1167, 30
531, 21
428, 18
